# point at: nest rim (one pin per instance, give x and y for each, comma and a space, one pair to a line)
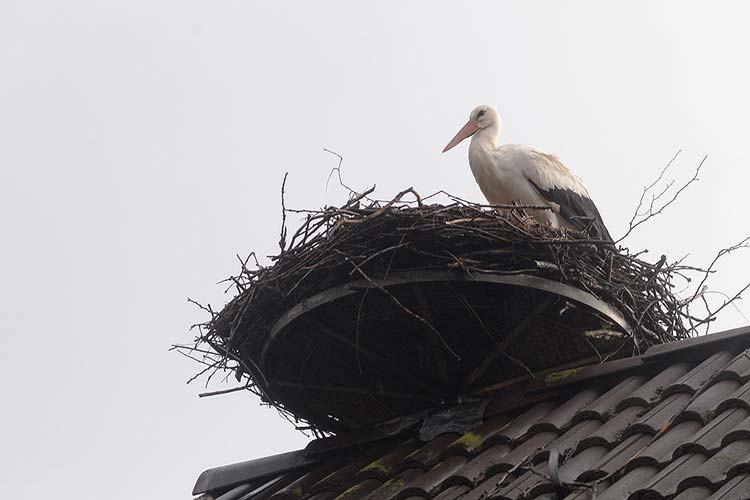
441, 276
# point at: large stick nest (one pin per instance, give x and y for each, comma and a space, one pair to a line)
366, 240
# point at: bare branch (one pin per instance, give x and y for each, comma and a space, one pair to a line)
282, 239
225, 391
654, 207
353, 193
745, 243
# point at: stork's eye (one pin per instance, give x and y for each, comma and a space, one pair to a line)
481, 113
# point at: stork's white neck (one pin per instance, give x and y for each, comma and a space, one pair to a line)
486, 138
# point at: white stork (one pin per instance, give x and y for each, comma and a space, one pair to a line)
515, 174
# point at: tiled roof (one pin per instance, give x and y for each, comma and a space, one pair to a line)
672, 423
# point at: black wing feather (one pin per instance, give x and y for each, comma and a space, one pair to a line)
578, 210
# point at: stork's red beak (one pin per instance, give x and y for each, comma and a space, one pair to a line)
467, 131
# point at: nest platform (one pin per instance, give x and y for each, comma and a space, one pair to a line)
376, 311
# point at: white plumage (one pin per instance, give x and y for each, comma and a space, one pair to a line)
518, 174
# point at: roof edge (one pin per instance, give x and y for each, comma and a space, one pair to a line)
250, 470
736, 337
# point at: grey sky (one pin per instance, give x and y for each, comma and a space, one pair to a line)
142, 145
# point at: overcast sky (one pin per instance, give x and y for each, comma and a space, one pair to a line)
143, 143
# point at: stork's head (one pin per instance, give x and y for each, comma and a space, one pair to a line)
482, 117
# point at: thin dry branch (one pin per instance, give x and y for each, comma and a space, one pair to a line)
282, 238
411, 313
701, 289
337, 170
745, 243
226, 391
655, 208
